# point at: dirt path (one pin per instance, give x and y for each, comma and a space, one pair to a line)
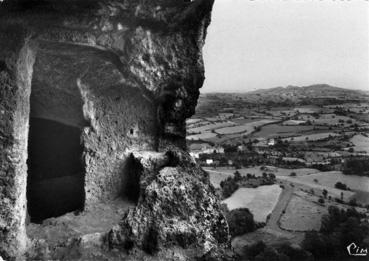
271, 234
277, 212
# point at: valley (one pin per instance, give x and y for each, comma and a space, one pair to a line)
308, 138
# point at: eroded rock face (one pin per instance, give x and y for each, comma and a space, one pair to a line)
127, 73
15, 79
177, 217
153, 46
177, 207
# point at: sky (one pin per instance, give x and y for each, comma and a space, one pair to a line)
254, 44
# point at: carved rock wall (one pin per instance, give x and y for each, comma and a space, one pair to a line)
127, 73
16, 61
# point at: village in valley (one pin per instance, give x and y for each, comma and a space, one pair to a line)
286, 154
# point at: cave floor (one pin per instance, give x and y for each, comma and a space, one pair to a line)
99, 218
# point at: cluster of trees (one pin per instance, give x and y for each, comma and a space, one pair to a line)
231, 184
356, 166
285, 252
339, 229
239, 159
322, 167
342, 186
240, 221
281, 145
341, 111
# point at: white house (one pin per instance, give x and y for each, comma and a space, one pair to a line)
271, 142
204, 148
211, 150
241, 148
209, 161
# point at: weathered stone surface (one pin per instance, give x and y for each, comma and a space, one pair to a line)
154, 46
177, 207
105, 54
177, 217
127, 73
16, 60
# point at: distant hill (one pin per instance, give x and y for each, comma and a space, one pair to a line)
312, 91
318, 94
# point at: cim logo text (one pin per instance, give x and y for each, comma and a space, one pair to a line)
355, 250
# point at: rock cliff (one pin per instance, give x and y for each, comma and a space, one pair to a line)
126, 73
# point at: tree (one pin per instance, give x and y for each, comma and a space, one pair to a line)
229, 186
356, 166
338, 229
341, 186
240, 221
255, 249
353, 202
294, 253
237, 175
325, 193
285, 252
236, 165
316, 244
270, 254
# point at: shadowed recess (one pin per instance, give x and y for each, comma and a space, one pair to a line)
55, 169
131, 181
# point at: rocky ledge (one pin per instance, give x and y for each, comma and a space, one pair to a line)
126, 74
177, 217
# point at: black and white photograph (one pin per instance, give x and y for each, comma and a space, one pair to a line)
184, 130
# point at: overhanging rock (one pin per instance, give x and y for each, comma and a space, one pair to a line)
127, 74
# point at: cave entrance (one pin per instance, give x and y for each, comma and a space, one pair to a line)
131, 182
55, 171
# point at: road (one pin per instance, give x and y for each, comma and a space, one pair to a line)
271, 234
284, 199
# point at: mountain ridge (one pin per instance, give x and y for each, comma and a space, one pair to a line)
316, 94
290, 87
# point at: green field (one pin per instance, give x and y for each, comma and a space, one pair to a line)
202, 136
302, 215
275, 130
330, 178
260, 201
212, 126
313, 137
361, 143
245, 128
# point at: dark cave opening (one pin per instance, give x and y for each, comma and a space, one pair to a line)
55, 184
131, 183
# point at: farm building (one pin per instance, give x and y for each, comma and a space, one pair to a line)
204, 148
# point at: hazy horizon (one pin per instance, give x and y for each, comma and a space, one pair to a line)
266, 44
258, 89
